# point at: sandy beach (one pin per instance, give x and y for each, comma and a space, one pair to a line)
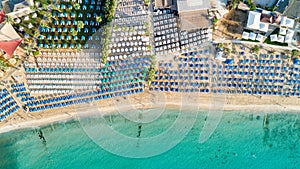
147, 100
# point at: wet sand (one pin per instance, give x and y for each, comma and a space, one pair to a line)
181, 101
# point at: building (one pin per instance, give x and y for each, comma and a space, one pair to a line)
17, 8
191, 20
193, 14
254, 22
192, 5
287, 22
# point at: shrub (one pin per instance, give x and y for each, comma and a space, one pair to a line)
35, 53
295, 52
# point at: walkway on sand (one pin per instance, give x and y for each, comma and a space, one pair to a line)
254, 43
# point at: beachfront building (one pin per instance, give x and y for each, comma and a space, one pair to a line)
287, 22
254, 23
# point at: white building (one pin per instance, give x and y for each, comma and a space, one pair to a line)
280, 39
282, 31
253, 20
252, 36
254, 23
287, 22
273, 38
245, 35
259, 37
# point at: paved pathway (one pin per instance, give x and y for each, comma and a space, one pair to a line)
254, 43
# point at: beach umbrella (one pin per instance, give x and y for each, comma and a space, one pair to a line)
296, 61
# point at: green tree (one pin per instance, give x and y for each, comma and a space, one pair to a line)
147, 33
80, 24
44, 24
274, 8
76, 6
220, 45
45, 6
49, 16
256, 49
33, 7
252, 7
98, 19
295, 53
28, 49
147, 2
151, 74
228, 50
215, 20
74, 33
55, 8
8, 19
233, 4
35, 53
3, 65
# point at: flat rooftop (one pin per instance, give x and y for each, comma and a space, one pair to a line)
194, 20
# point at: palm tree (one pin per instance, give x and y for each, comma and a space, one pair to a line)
256, 49
98, 19
49, 16
3, 65
36, 34
74, 33
44, 24
33, 7
80, 25
45, 6
28, 49
8, 19
55, 8
77, 6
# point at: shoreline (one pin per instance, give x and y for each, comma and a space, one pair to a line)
67, 114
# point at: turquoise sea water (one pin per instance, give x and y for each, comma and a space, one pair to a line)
240, 141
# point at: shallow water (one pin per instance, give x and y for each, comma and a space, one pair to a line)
240, 141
